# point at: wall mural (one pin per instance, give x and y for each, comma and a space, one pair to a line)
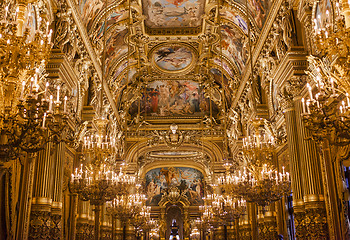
173, 13
173, 58
186, 179
259, 10
173, 98
233, 46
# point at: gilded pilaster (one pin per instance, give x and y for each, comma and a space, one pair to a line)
297, 178
316, 225
56, 210
40, 216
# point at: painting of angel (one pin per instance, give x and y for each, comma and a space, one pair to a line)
187, 180
173, 58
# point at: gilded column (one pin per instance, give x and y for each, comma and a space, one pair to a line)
56, 210
315, 210
296, 165
40, 216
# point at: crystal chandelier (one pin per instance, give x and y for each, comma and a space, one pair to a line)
232, 208
29, 118
333, 40
21, 52
128, 206
262, 184
259, 182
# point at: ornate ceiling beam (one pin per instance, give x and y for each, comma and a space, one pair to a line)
257, 49
92, 54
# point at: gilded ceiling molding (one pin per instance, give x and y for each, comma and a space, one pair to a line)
258, 47
91, 52
141, 148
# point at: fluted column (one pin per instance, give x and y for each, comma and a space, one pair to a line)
315, 210
296, 166
40, 216
56, 210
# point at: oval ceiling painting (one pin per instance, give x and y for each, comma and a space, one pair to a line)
173, 58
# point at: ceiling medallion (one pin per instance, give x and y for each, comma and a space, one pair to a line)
173, 58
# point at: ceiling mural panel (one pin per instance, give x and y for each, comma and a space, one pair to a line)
236, 19
259, 10
173, 58
233, 46
222, 80
116, 16
188, 180
174, 98
173, 13
116, 46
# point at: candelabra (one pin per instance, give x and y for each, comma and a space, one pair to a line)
333, 40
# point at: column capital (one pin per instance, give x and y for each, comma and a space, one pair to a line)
291, 89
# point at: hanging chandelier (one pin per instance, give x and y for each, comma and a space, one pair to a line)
333, 40
232, 208
29, 115
260, 182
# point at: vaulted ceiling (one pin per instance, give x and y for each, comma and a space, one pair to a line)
172, 40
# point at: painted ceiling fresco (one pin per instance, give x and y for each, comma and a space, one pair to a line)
116, 16
233, 47
89, 10
116, 46
235, 19
188, 180
259, 10
174, 98
173, 13
221, 79
173, 58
